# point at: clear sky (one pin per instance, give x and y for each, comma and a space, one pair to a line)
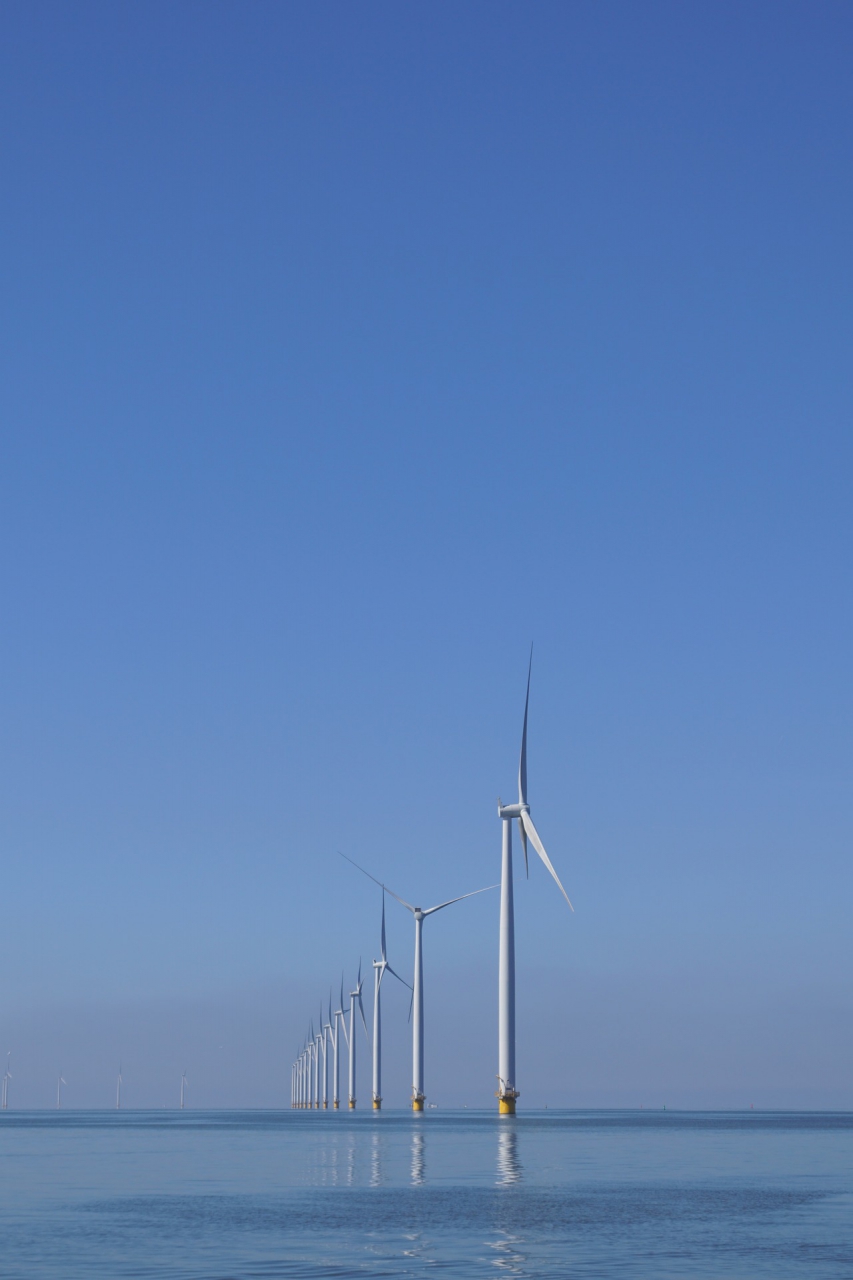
347, 349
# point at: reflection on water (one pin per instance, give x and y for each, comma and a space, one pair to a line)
509, 1165
418, 1157
375, 1161
508, 1257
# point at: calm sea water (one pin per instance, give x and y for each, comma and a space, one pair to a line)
299, 1194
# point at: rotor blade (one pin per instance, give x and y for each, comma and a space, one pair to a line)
442, 905
411, 1005
383, 924
342, 993
523, 835
379, 882
344, 1028
522, 760
399, 979
538, 846
363, 1019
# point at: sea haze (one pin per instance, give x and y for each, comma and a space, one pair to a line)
266, 1194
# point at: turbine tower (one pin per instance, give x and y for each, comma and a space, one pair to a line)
118, 1089
353, 997
184, 1087
7, 1076
379, 969
340, 1026
420, 914
60, 1082
507, 1081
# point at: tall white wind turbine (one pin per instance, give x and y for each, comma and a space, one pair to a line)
184, 1087
118, 1089
7, 1076
60, 1082
328, 1041
380, 968
353, 997
340, 1027
507, 1081
420, 914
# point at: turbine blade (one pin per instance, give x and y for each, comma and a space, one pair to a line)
442, 905
363, 1019
523, 835
399, 979
379, 882
540, 849
383, 924
522, 760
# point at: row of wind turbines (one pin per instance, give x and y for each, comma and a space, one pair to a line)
321, 1051
60, 1081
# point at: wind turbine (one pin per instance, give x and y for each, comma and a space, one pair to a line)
7, 1076
327, 1037
184, 1087
339, 1027
118, 1089
353, 996
379, 970
420, 914
318, 1045
507, 1091
60, 1082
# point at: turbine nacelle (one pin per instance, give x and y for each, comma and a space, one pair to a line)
512, 810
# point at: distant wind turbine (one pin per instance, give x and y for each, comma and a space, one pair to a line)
118, 1089
420, 914
60, 1082
380, 967
7, 1076
507, 1091
340, 1027
353, 997
184, 1087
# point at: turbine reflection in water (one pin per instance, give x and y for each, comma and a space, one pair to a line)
375, 1161
509, 1165
418, 1158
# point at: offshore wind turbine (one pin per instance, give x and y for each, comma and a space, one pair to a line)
118, 1089
380, 967
184, 1087
507, 1081
60, 1082
339, 1027
327, 1046
7, 1076
353, 996
420, 914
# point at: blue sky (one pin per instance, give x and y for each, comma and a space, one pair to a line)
345, 351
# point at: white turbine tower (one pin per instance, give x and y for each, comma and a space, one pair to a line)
60, 1082
353, 997
7, 1076
118, 1089
507, 1081
340, 1026
420, 914
380, 967
318, 1047
184, 1087
327, 1042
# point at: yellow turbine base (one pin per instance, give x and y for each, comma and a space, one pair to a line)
506, 1106
417, 1104
337, 1105
325, 1106
377, 1104
352, 1104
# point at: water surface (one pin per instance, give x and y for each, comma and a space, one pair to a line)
234, 1195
